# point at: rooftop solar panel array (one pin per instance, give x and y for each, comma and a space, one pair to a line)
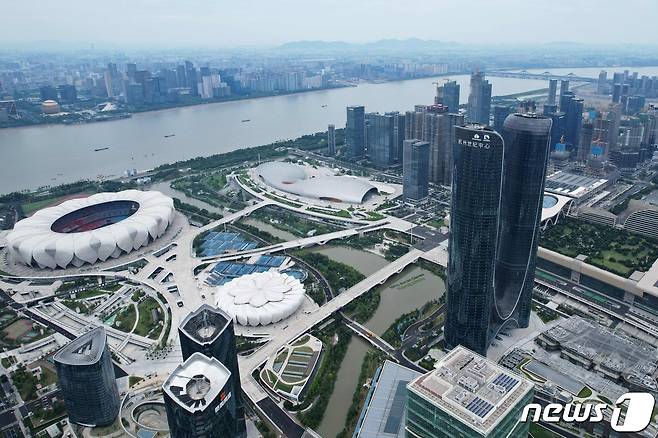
507, 382
479, 407
216, 243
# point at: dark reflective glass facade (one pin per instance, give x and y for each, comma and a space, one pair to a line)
86, 378
476, 186
526, 140
497, 195
213, 419
355, 131
210, 331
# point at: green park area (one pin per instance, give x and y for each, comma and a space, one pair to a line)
16, 331
124, 319
612, 249
292, 222
147, 325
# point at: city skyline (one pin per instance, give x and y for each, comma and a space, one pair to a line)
162, 23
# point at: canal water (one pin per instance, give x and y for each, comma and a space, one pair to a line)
264, 226
166, 189
401, 294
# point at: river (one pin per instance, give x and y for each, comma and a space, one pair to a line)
396, 299
54, 154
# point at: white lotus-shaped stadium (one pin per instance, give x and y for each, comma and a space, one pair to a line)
261, 298
89, 230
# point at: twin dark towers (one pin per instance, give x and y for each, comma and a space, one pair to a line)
497, 196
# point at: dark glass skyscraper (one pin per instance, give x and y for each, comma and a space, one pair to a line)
497, 190
380, 132
198, 397
476, 194
524, 173
552, 91
86, 377
209, 331
331, 140
415, 169
448, 95
500, 113
355, 131
479, 99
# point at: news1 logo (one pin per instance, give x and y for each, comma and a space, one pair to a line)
638, 414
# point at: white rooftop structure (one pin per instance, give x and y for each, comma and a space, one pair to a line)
553, 205
316, 184
574, 185
261, 298
472, 389
198, 381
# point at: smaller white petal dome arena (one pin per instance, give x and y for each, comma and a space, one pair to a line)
261, 298
90, 229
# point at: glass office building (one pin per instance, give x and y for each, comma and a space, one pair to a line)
86, 378
467, 396
415, 170
476, 197
197, 396
355, 131
497, 193
526, 138
209, 330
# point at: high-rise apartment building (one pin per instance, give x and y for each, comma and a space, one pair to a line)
479, 99
497, 192
355, 132
435, 125
331, 140
415, 170
86, 378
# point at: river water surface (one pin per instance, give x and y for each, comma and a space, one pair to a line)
401, 294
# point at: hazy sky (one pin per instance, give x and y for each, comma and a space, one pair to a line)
221, 23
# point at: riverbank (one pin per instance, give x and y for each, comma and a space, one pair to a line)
127, 112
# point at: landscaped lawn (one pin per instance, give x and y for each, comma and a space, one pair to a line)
614, 250
125, 319
146, 323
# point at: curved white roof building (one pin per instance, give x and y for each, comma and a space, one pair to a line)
261, 298
295, 179
91, 229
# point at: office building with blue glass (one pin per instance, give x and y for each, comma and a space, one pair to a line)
86, 378
415, 170
355, 131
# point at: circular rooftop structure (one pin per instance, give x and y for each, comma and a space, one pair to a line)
88, 230
260, 299
549, 201
311, 183
50, 107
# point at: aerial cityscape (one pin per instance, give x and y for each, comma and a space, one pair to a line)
239, 221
